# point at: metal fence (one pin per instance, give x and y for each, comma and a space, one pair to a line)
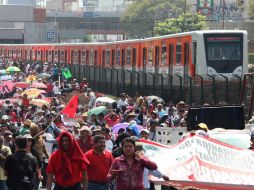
195, 90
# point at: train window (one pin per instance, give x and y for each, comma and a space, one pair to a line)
164, 55
178, 53
95, 57
128, 56
91, 58
83, 57
39, 55
75, 57
19, 53
62, 57
108, 57
194, 53
150, 56
31, 54
55, 56
118, 56
50, 56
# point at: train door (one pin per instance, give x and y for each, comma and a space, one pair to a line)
103, 57
113, 58
157, 59
123, 58
194, 56
186, 58
95, 57
171, 59
118, 57
83, 57
144, 59
91, 57
134, 59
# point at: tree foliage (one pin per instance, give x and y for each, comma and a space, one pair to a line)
251, 9
183, 23
142, 15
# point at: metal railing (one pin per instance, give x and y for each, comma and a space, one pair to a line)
169, 87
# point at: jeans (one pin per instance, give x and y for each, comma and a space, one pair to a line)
94, 186
3, 185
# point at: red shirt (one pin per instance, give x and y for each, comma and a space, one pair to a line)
49, 87
77, 166
131, 176
85, 146
99, 165
25, 102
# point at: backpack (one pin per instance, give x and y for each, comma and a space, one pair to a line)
25, 172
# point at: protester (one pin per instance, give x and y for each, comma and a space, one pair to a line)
4, 152
100, 163
20, 167
68, 165
128, 169
85, 141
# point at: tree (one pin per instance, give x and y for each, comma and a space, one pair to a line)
251, 9
142, 15
183, 23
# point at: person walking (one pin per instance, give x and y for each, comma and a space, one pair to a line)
68, 165
20, 167
100, 162
4, 152
128, 169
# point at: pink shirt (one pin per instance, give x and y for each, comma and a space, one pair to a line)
131, 176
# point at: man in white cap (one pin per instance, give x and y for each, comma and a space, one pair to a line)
85, 141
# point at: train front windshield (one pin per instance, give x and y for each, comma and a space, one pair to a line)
224, 53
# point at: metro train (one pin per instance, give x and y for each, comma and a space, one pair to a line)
210, 52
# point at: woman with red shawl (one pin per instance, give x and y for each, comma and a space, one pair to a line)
68, 165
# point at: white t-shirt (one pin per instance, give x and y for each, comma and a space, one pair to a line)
109, 145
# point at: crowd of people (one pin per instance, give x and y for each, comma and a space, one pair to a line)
40, 148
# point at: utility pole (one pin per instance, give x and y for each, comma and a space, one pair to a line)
223, 14
185, 5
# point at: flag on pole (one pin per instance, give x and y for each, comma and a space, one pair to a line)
66, 73
71, 108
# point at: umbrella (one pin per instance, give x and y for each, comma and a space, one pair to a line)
44, 75
8, 83
149, 99
98, 110
119, 126
33, 92
39, 85
12, 69
2, 72
6, 77
40, 102
21, 84
104, 100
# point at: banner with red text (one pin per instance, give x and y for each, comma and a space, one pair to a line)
203, 163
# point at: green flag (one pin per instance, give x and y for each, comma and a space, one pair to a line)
66, 73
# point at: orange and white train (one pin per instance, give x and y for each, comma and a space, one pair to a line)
210, 52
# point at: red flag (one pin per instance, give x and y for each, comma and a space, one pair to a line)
71, 108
